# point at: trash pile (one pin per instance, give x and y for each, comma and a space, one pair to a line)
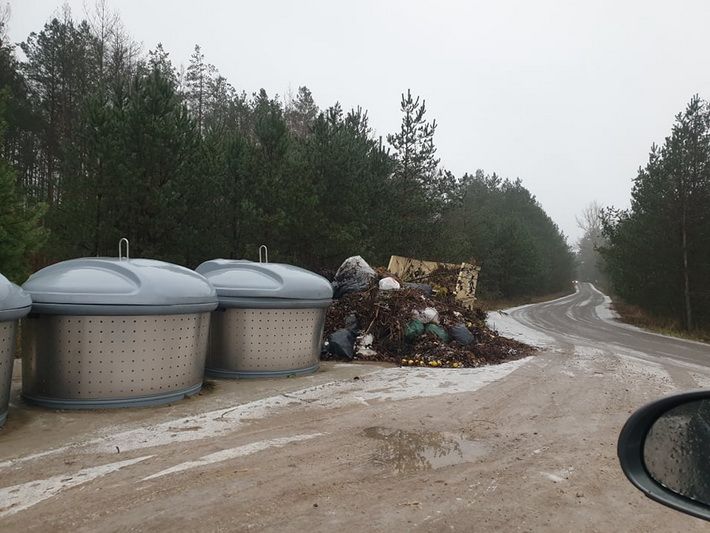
377, 317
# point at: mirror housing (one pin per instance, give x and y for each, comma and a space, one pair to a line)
631, 449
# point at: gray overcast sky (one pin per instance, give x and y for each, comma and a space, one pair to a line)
566, 95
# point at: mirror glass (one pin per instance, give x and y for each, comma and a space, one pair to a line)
677, 450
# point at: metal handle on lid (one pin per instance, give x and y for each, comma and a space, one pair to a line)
266, 254
120, 250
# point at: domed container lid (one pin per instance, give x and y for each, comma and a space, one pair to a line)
108, 286
14, 302
246, 284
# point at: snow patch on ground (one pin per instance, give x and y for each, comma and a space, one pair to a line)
388, 384
233, 453
506, 325
559, 476
604, 310
20, 497
585, 350
703, 381
587, 358
648, 369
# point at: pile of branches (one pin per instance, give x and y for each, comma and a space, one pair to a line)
387, 316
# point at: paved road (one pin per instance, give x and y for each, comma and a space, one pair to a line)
584, 319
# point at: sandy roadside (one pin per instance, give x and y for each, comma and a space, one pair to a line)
524, 447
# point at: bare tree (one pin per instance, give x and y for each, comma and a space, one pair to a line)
5, 13
590, 221
588, 257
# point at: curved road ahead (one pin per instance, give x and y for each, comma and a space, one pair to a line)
583, 319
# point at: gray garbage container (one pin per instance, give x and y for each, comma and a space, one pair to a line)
270, 319
14, 304
109, 332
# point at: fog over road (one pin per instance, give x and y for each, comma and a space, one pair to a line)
584, 319
528, 445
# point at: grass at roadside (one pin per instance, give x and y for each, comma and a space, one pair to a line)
497, 304
634, 315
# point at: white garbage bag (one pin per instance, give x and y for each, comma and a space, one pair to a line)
389, 284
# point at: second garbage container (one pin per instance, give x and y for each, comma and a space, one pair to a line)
270, 319
115, 332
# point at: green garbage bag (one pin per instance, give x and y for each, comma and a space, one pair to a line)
413, 329
437, 330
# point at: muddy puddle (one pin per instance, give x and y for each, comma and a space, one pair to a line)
410, 451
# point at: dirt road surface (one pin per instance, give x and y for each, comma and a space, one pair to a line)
523, 446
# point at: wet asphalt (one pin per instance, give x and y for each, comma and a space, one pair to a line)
584, 319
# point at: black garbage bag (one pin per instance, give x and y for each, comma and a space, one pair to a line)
354, 275
422, 287
341, 343
351, 323
461, 334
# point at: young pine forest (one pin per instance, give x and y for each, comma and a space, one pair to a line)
656, 254
101, 140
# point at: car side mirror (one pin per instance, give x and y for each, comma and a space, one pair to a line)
664, 450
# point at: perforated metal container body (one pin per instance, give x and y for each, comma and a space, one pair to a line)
113, 361
110, 333
270, 319
14, 304
7, 357
265, 342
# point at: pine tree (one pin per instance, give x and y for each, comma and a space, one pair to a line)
301, 112
200, 82
21, 141
158, 147
60, 72
689, 161
414, 144
21, 233
415, 177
